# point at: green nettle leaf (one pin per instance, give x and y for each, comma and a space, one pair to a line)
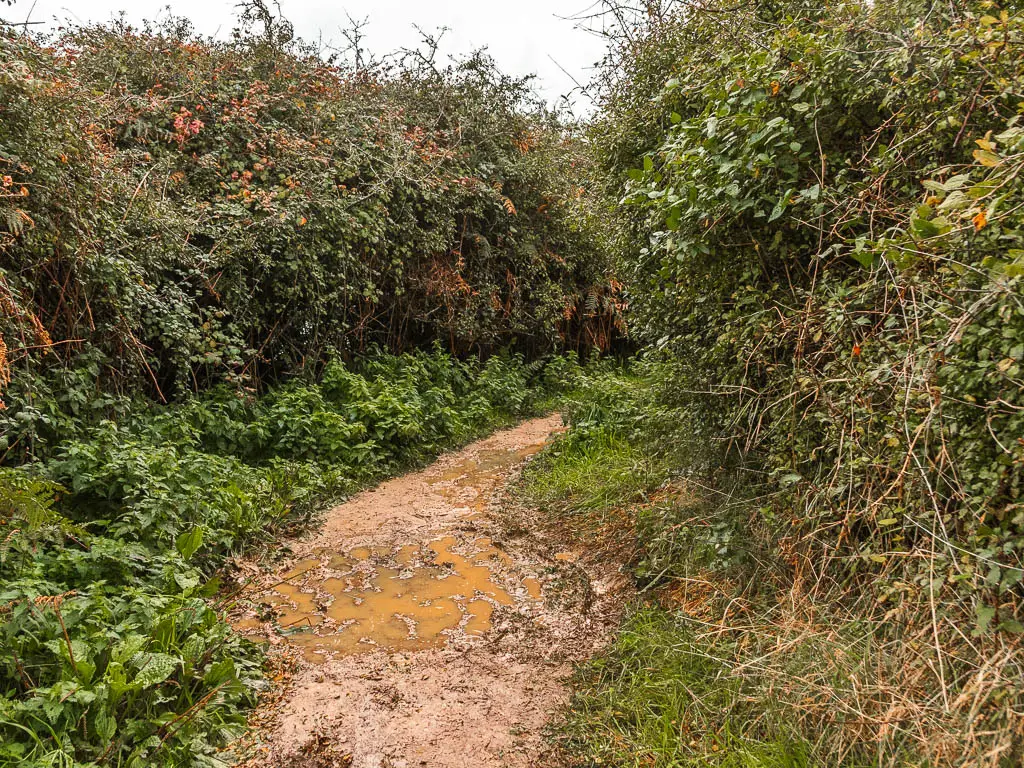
956, 182
956, 200
188, 580
648, 163
188, 543
984, 615
53, 709
1011, 626
105, 725
219, 672
154, 668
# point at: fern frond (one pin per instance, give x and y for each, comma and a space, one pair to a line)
30, 501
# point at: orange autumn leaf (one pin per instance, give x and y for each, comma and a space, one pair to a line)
980, 220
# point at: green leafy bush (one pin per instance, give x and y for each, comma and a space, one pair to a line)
178, 213
821, 248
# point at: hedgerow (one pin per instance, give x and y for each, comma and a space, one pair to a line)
822, 242
238, 280
178, 213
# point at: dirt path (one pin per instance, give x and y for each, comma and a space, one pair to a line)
413, 630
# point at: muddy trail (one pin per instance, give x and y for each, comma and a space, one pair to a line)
428, 622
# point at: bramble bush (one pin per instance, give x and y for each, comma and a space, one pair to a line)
179, 213
820, 233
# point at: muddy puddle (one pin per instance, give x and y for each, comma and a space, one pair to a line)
429, 621
407, 599
400, 597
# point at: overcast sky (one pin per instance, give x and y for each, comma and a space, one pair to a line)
523, 35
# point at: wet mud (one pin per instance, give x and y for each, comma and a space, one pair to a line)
411, 630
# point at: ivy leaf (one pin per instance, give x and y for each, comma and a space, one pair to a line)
923, 228
865, 258
789, 480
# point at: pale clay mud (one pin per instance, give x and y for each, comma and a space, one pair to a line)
415, 632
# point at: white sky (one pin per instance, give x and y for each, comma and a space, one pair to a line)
520, 34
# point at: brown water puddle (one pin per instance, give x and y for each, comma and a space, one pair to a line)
408, 599
407, 570
403, 598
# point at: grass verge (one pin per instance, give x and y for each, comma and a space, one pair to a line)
738, 651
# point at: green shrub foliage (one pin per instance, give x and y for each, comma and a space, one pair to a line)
177, 213
822, 240
835, 240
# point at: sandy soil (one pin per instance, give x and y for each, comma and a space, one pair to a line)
387, 660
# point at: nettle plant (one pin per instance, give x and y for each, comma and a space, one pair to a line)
110, 652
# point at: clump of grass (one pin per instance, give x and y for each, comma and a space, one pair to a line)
659, 698
597, 467
591, 473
